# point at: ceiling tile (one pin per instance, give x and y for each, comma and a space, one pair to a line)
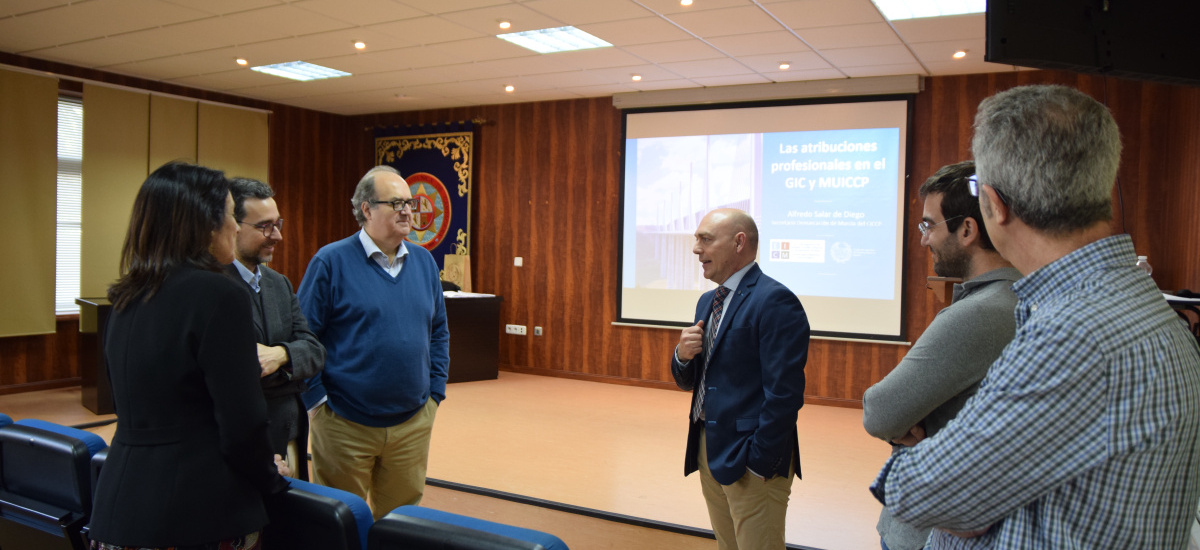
176, 66
890, 69
850, 36
936, 29
487, 20
25, 7
707, 69
426, 30
582, 13
222, 7
806, 14
479, 49
644, 30
802, 75
447, 6
759, 43
725, 22
222, 82
361, 12
943, 52
82, 21
598, 58
799, 62
681, 50
388, 61
668, 7
868, 56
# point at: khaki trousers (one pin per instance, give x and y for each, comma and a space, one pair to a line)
385, 466
751, 513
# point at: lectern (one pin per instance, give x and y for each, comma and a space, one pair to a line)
93, 319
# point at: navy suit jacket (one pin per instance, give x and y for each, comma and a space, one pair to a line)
755, 382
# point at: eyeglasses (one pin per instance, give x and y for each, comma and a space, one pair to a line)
973, 185
267, 227
399, 204
925, 227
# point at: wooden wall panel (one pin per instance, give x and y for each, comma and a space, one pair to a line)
546, 188
547, 185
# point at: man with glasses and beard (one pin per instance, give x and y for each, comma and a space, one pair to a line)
288, 352
943, 369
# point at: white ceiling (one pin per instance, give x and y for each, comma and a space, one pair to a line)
427, 54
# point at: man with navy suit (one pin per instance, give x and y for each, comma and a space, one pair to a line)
288, 352
743, 360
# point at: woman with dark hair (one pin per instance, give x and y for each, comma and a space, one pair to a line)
190, 462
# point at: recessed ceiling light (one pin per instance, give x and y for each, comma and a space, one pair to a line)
242, 62
685, 2
509, 88
300, 70
560, 39
896, 10
504, 24
637, 77
360, 45
784, 65
960, 54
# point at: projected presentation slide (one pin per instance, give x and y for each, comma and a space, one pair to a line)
823, 183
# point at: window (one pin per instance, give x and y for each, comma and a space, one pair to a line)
70, 166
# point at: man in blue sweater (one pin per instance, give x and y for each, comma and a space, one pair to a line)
375, 301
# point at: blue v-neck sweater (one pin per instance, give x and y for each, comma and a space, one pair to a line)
386, 339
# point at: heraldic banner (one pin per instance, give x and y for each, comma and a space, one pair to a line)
435, 160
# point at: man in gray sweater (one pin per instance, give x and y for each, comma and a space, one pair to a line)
943, 369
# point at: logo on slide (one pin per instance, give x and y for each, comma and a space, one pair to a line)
840, 252
432, 218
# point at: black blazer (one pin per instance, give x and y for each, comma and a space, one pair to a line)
190, 462
279, 322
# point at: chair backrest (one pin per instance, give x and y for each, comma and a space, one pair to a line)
311, 516
45, 486
418, 528
97, 464
49, 463
94, 442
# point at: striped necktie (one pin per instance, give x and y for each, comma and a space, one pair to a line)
717, 309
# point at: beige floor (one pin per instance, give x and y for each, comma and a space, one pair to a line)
607, 447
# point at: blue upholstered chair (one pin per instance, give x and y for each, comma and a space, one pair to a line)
5, 420
418, 528
311, 516
45, 484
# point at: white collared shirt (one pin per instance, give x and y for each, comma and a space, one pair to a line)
375, 253
251, 277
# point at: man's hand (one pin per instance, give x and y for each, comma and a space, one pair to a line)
691, 342
270, 358
282, 467
914, 436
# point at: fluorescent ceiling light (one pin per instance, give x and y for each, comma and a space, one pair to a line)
896, 10
299, 70
561, 39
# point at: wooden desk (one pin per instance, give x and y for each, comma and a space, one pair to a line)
474, 338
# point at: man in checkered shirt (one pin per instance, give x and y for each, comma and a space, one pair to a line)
1084, 433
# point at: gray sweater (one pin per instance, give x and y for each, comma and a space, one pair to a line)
940, 372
